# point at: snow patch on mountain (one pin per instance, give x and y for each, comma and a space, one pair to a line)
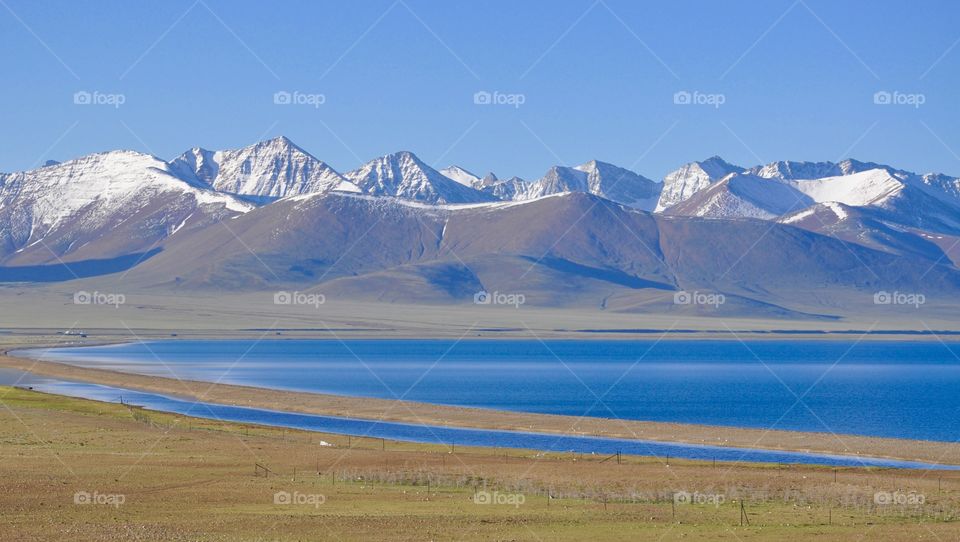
871, 187
461, 175
743, 196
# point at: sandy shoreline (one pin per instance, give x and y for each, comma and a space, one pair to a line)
476, 418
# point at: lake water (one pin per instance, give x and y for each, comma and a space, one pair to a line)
889, 389
449, 436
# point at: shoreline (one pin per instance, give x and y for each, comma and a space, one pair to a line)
488, 419
102, 336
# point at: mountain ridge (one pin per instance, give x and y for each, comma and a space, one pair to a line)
397, 229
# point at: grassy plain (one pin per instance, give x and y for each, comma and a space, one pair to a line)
66, 464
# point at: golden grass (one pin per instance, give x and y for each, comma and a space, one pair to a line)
185, 478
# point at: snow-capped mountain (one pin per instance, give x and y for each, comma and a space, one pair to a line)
744, 195
597, 178
944, 184
789, 170
404, 175
267, 170
101, 206
841, 226
556, 180
882, 208
621, 185
689, 179
489, 180
511, 189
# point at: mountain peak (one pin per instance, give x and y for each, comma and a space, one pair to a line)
596, 178
595, 165
592, 164
402, 174
404, 155
265, 170
682, 183
281, 142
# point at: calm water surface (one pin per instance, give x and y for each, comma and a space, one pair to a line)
449, 436
891, 389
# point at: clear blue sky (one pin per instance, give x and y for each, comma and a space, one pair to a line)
598, 80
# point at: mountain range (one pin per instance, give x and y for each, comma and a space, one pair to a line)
785, 239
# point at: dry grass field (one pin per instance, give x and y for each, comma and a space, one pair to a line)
74, 469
